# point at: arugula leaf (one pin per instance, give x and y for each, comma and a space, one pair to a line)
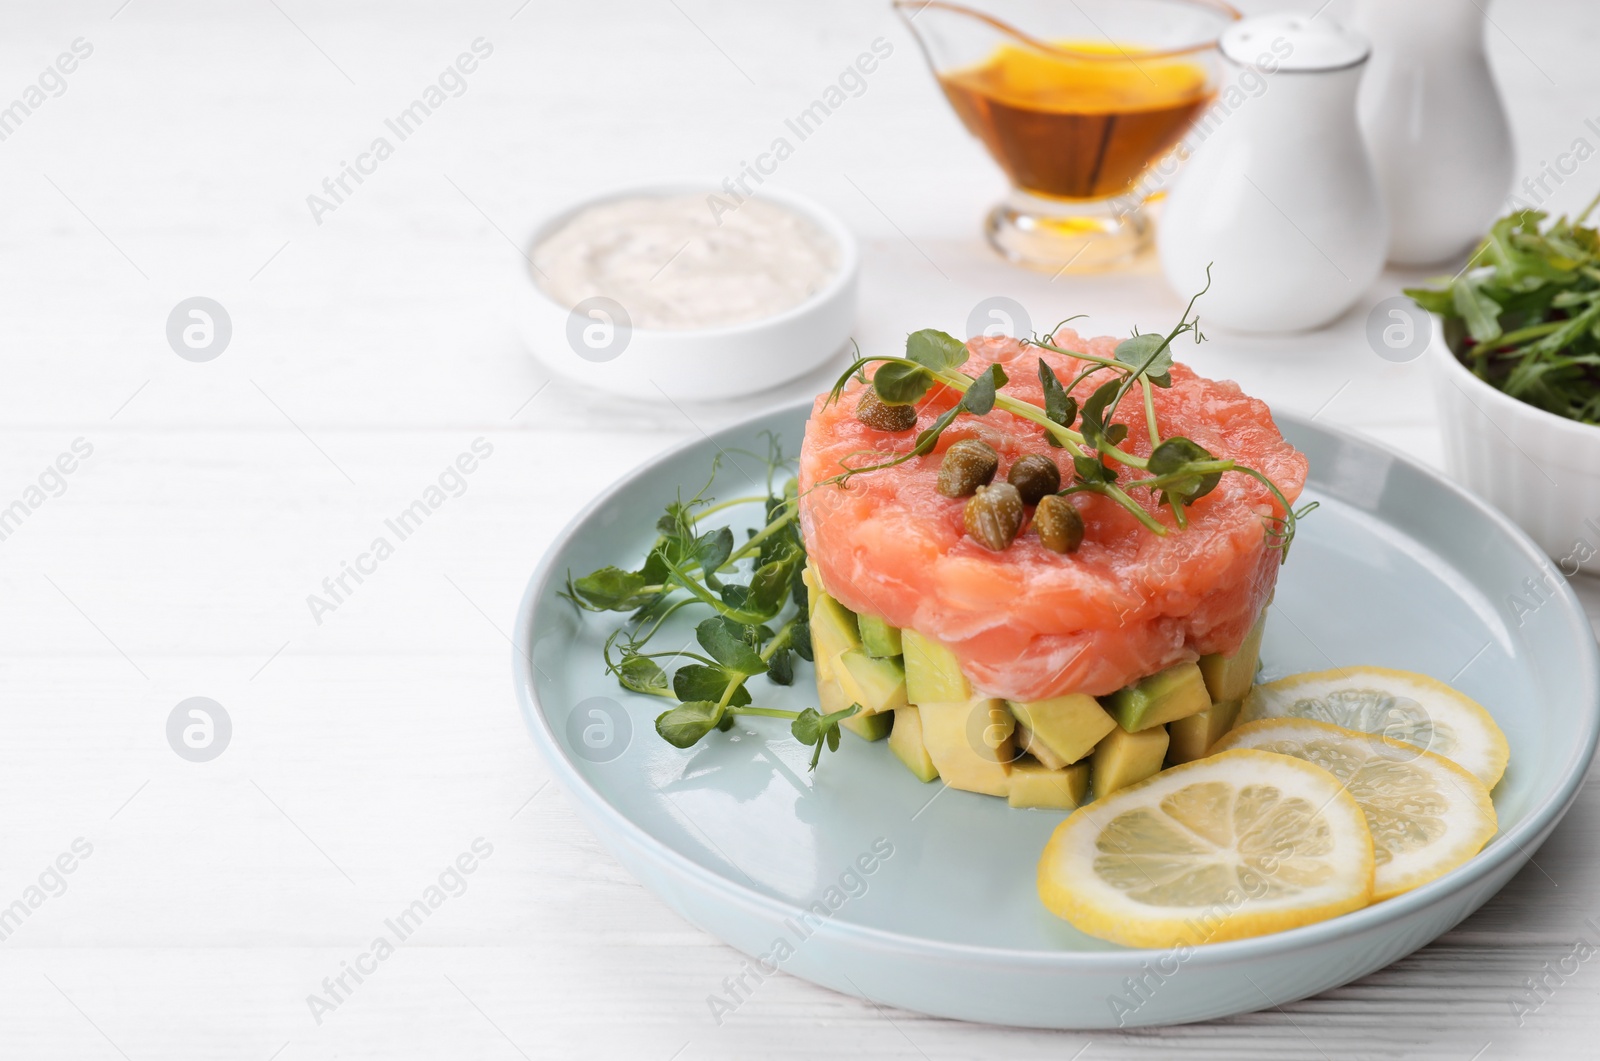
1481, 313
1440, 302
1520, 317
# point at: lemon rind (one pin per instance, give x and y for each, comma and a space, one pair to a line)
1488, 763
1068, 887
1461, 847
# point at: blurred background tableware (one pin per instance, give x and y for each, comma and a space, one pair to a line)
680, 287
1279, 200
1435, 124
1540, 469
1074, 101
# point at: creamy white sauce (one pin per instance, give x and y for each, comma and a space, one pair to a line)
671, 265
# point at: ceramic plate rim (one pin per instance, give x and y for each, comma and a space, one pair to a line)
1505, 845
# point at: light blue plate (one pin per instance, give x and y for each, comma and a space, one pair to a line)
923, 897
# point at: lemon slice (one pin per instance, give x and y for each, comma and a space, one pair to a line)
1397, 704
1238, 844
1427, 815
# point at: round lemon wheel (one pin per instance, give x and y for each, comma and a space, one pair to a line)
1400, 705
1239, 844
1426, 814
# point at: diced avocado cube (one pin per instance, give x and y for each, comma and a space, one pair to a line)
831, 697
1176, 692
969, 742
813, 579
878, 638
932, 673
833, 628
1037, 785
878, 685
1124, 758
869, 727
905, 740
1025, 739
824, 669
1193, 737
1070, 725
821, 664
1230, 677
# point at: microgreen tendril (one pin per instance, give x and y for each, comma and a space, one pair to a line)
1178, 471
757, 626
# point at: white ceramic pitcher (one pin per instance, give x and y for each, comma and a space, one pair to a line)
1435, 125
1280, 197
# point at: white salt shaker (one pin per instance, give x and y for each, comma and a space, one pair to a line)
1435, 125
1280, 197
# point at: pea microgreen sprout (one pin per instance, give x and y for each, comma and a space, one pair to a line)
757, 624
1178, 471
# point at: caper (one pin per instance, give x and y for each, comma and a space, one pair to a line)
1034, 476
994, 515
967, 465
879, 414
1059, 524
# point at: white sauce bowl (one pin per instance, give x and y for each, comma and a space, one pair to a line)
1540, 469
586, 345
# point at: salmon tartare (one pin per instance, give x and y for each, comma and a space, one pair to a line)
1028, 623
1041, 568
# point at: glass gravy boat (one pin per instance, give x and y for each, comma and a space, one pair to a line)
1074, 109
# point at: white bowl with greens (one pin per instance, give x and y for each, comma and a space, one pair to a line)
1516, 359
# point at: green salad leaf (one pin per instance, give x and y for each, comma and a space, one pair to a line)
1524, 315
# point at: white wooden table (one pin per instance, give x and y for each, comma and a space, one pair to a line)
370, 346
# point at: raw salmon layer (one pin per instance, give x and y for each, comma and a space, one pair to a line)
1027, 623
